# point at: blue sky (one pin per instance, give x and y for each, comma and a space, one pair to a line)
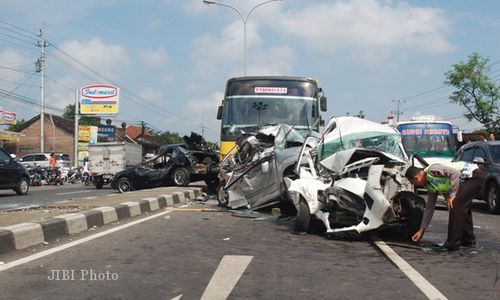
172, 58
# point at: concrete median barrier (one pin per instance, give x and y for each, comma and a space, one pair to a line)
26, 234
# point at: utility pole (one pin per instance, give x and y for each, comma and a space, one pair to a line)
398, 111
41, 69
143, 129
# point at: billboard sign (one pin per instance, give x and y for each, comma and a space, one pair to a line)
7, 117
10, 136
99, 99
87, 133
106, 133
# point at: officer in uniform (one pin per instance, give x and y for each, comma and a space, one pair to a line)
459, 183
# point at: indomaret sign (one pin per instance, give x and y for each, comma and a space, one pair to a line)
99, 99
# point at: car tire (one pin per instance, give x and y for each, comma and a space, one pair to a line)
123, 185
303, 218
180, 177
222, 196
413, 210
492, 193
22, 186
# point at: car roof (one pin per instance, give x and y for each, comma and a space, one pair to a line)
475, 143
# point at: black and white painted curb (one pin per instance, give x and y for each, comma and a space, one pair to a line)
23, 235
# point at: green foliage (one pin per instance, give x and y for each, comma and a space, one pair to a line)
168, 137
69, 113
360, 114
476, 91
15, 127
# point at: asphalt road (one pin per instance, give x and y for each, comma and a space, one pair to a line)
189, 254
46, 194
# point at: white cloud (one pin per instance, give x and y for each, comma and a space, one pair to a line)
97, 55
14, 67
154, 57
152, 95
366, 25
203, 112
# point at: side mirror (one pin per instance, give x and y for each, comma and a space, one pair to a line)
322, 103
265, 167
322, 123
460, 137
219, 113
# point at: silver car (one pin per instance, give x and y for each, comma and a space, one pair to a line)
252, 176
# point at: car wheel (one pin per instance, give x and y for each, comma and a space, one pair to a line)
492, 198
180, 177
123, 185
23, 186
303, 218
413, 211
222, 196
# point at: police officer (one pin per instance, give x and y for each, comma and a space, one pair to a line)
459, 183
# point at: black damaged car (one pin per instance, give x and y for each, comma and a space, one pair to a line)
177, 165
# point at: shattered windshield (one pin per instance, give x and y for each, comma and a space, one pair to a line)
248, 113
379, 141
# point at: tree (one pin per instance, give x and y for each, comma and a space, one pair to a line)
360, 114
476, 91
15, 127
69, 113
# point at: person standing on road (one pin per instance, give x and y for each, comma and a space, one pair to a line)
459, 182
52, 161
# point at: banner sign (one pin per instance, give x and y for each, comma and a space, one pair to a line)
10, 136
87, 133
99, 99
7, 117
106, 133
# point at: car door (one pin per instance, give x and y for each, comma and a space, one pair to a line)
8, 170
27, 160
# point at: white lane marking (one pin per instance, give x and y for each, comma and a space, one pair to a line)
33, 257
69, 193
113, 195
88, 198
226, 276
178, 297
425, 286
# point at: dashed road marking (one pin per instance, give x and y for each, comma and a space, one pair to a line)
425, 286
70, 193
226, 276
89, 198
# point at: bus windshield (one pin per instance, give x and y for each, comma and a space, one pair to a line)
428, 139
251, 104
247, 113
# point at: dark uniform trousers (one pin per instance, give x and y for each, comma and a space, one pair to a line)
460, 226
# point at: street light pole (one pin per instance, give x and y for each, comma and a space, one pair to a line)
244, 19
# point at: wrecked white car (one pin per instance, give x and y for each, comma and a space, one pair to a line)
252, 174
353, 180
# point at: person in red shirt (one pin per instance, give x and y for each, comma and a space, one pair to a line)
52, 161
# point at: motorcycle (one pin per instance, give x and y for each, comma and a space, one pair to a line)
86, 178
36, 174
54, 176
73, 175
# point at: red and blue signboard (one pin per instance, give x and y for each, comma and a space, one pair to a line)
99, 99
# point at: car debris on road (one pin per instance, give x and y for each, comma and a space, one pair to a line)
353, 180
